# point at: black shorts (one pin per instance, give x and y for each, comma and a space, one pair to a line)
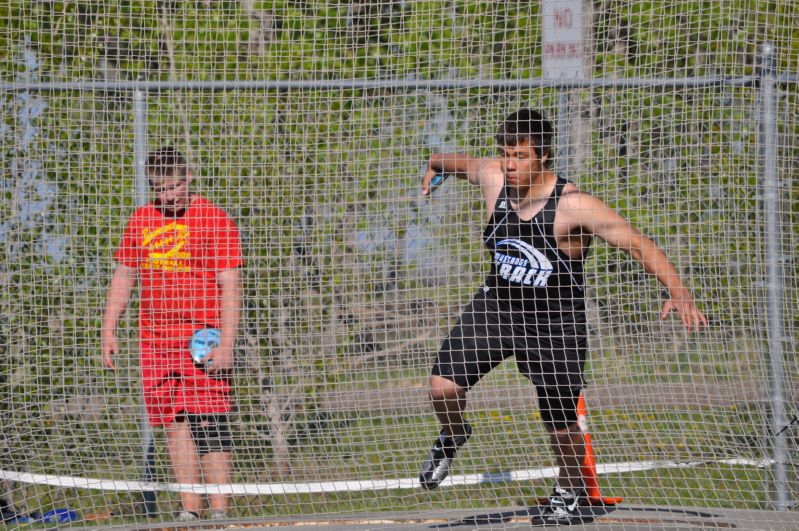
558, 406
549, 350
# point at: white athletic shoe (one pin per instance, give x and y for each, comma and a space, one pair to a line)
563, 509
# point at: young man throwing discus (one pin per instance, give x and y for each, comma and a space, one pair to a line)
532, 305
185, 253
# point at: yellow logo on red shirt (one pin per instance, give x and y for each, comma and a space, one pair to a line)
167, 247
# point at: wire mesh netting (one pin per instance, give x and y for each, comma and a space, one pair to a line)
310, 125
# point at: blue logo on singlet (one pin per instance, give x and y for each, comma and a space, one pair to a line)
527, 267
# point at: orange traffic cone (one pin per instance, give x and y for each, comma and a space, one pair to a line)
590, 478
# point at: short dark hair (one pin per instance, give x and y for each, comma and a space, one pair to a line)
526, 125
166, 161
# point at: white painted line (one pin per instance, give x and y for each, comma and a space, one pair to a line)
271, 489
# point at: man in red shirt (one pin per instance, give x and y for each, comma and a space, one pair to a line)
186, 254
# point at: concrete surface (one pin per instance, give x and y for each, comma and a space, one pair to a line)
627, 518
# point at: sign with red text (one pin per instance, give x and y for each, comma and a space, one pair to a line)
563, 43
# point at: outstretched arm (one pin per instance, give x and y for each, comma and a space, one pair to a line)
118, 294
597, 218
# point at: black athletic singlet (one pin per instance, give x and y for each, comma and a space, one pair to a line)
532, 306
527, 269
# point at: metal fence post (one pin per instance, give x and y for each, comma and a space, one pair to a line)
562, 132
142, 196
774, 305
140, 145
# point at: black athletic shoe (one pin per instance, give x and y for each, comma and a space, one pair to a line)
436, 466
563, 509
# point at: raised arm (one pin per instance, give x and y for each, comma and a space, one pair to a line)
596, 217
461, 165
484, 172
118, 294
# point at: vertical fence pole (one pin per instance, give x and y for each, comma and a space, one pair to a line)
142, 196
562, 161
140, 145
774, 306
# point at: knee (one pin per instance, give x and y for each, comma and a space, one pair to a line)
211, 433
443, 389
178, 428
566, 434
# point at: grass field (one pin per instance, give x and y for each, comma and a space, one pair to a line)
378, 425
503, 440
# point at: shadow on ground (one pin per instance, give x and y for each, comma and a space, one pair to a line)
589, 514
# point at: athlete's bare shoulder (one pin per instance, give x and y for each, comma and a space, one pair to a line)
491, 180
572, 198
582, 209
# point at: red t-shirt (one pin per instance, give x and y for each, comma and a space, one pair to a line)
178, 260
